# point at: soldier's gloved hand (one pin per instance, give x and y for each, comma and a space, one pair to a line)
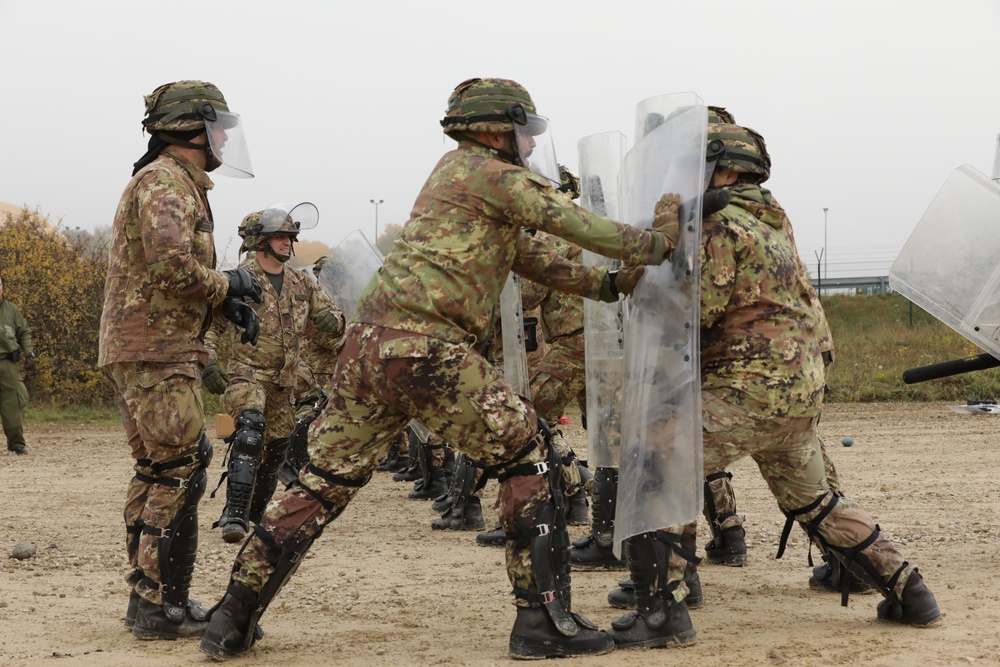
624, 280
329, 321
243, 316
213, 379
29, 362
242, 283
666, 218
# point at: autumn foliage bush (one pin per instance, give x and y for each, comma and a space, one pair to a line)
57, 279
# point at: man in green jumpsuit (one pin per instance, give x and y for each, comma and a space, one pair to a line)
15, 344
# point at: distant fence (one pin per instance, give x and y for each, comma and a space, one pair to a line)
851, 277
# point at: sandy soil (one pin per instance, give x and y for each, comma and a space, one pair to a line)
380, 588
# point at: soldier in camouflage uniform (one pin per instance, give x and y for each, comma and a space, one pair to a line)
161, 292
260, 380
410, 353
762, 391
15, 344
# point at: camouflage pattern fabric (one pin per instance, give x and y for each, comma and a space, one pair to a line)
445, 273
158, 299
410, 352
15, 335
384, 378
161, 285
762, 368
163, 415
283, 322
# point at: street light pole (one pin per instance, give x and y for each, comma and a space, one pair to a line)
380, 201
826, 255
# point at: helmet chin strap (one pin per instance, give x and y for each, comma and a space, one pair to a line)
267, 249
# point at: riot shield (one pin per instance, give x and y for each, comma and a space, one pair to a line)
348, 269
949, 265
515, 358
660, 468
603, 323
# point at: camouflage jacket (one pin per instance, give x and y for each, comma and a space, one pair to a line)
15, 334
444, 276
561, 313
283, 320
760, 329
161, 285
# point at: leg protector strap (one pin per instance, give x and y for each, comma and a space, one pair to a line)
812, 527
604, 495
853, 559
711, 510
267, 477
246, 452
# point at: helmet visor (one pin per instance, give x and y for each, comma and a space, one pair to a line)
225, 137
535, 147
288, 218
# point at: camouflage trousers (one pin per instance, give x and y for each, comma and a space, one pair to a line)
384, 378
557, 378
163, 415
790, 458
719, 491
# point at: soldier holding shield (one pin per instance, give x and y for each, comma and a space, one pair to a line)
410, 353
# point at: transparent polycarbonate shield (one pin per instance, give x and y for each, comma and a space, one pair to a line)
603, 323
290, 217
950, 265
536, 147
660, 467
228, 144
348, 269
996, 160
515, 358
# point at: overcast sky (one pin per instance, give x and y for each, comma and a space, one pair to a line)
866, 106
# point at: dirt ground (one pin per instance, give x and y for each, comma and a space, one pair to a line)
380, 588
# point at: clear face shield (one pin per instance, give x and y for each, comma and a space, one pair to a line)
226, 139
288, 218
535, 147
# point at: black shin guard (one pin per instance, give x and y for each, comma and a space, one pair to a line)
247, 450
178, 543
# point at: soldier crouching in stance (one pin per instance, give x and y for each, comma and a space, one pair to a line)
409, 353
161, 291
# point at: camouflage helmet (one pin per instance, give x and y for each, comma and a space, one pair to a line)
569, 182
745, 150
486, 105
277, 219
719, 115
182, 105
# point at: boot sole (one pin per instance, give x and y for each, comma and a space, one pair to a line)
587, 567
682, 640
522, 652
739, 560
147, 635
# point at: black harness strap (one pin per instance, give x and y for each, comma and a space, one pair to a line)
812, 527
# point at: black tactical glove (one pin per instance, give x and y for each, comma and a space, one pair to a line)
213, 378
329, 321
712, 202
242, 315
242, 283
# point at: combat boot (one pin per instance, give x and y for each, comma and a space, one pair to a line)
595, 551
410, 473
623, 597
492, 538
467, 515
228, 624
729, 547
151, 622
577, 512
827, 577
917, 607
426, 490
534, 636
133, 609
659, 623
